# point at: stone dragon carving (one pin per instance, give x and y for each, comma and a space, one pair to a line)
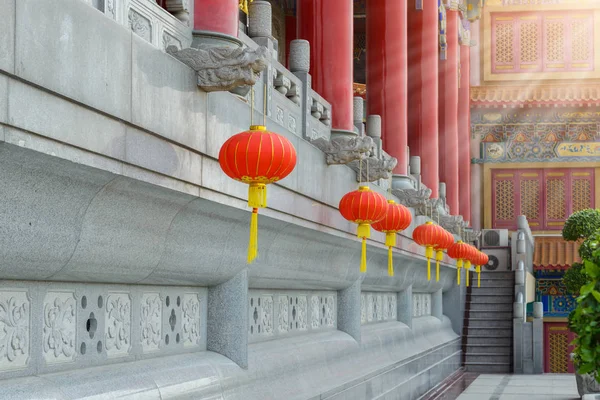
222, 68
377, 168
344, 149
415, 198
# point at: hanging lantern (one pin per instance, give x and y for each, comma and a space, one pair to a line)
444, 244
460, 252
363, 207
257, 157
397, 219
429, 236
483, 261
472, 258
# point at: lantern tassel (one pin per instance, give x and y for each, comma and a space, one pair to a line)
478, 270
429, 256
363, 256
253, 242
257, 195
459, 265
390, 241
439, 255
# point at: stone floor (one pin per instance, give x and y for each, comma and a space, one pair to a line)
516, 387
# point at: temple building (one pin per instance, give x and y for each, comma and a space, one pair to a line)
127, 269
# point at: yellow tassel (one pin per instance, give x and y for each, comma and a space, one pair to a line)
390, 241
478, 269
390, 262
257, 195
363, 256
439, 255
253, 242
459, 265
429, 256
468, 270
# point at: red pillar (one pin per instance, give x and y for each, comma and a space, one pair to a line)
290, 34
423, 55
464, 134
328, 26
387, 75
448, 118
220, 16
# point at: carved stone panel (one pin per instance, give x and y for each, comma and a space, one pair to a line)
378, 307
60, 326
191, 319
118, 324
150, 321
140, 25
14, 330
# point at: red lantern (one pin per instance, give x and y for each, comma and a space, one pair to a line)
397, 219
484, 259
363, 207
460, 251
257, 157
472, 258
444, 244
429, 236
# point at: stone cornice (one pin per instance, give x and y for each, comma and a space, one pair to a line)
558, 94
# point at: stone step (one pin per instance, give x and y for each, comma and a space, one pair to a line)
491, 307
488, 349
488, 323
482, 298
485, 282
488, 340
487, 291
491, 314
489, 357
489, 332
488, 367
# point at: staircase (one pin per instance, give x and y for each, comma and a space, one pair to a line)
488, 331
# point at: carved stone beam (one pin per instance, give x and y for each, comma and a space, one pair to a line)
343, 149
452, 223
415, 198
376, 168
223, 68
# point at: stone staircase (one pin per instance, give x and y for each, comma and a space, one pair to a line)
488, 332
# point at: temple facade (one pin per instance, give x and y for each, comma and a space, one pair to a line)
123, 244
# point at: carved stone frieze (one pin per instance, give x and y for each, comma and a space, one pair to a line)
118, 324
14, 330
452, 223
374, 168
150, 317
344, 149
59, 327
415, 198
223, 68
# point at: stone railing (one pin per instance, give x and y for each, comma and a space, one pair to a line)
150, 21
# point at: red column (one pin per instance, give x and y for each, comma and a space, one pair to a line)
423, 55
220, 16
328, 26
464, 134
387, 75
290, 34
448, 118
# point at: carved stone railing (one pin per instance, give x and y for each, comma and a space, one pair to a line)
151, 22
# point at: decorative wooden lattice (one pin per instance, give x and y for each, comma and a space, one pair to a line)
505, 200
557, 348
581, 194
555, 199
546, 41
546, 197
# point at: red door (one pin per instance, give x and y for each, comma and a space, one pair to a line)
558, 348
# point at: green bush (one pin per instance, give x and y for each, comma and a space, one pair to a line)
575, 278
581, 224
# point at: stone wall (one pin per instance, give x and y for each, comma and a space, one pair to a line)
122, 242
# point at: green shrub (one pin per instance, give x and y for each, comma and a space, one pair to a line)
581, 224
574, 279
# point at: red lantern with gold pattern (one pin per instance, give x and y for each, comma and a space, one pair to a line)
429, 235
471, 259
444, 244
397, 219
460, 251
257, 157
363, 207
483, 260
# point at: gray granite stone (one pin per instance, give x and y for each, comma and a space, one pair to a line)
453, 301
34, 110
437, 304
3, 101
165, 97
374, 126
299, 58
259, 19
49, 45
349, 310
228, 319
7, 35
405, 307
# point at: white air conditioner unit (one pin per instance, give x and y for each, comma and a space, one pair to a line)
499, 259
494, 238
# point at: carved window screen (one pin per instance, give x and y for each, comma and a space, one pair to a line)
526, 42
546, 196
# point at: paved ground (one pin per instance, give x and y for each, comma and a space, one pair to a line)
526, 387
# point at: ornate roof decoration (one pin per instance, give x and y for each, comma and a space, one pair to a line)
536, 95
360, 89
555, 253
